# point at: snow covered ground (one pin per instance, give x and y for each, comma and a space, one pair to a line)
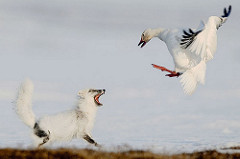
65, 46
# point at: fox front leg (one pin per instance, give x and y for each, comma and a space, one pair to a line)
90, 140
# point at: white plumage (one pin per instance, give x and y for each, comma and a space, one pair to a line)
190, 49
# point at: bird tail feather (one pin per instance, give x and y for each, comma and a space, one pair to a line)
192, 77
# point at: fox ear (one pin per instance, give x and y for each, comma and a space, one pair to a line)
81, 93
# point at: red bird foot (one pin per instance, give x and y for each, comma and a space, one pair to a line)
172, 73
176, 74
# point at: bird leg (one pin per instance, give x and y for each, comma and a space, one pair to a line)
172, 73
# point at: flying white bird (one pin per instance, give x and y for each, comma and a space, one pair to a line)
190, 49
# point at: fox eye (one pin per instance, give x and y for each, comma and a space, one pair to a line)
143, 34
90, 90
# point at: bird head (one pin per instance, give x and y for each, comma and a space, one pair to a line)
146, 37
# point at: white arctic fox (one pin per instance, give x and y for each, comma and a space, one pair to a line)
76, 123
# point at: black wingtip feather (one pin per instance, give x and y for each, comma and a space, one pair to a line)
185, 39
227, 13
229, 9
188, 38
186, 33
190, 30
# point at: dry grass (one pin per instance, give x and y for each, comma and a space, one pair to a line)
93, 154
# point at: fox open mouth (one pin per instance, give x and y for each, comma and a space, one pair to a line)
96, 99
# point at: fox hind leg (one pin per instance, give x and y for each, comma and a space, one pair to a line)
41, 134
45, 139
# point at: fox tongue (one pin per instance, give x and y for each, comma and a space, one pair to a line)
97, 99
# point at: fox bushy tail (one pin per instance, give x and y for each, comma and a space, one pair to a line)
24, 103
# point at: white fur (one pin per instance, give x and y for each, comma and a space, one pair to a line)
24, 103
63, 126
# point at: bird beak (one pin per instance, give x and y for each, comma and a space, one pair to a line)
142, 43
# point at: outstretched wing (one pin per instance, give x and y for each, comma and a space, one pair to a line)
203, 41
